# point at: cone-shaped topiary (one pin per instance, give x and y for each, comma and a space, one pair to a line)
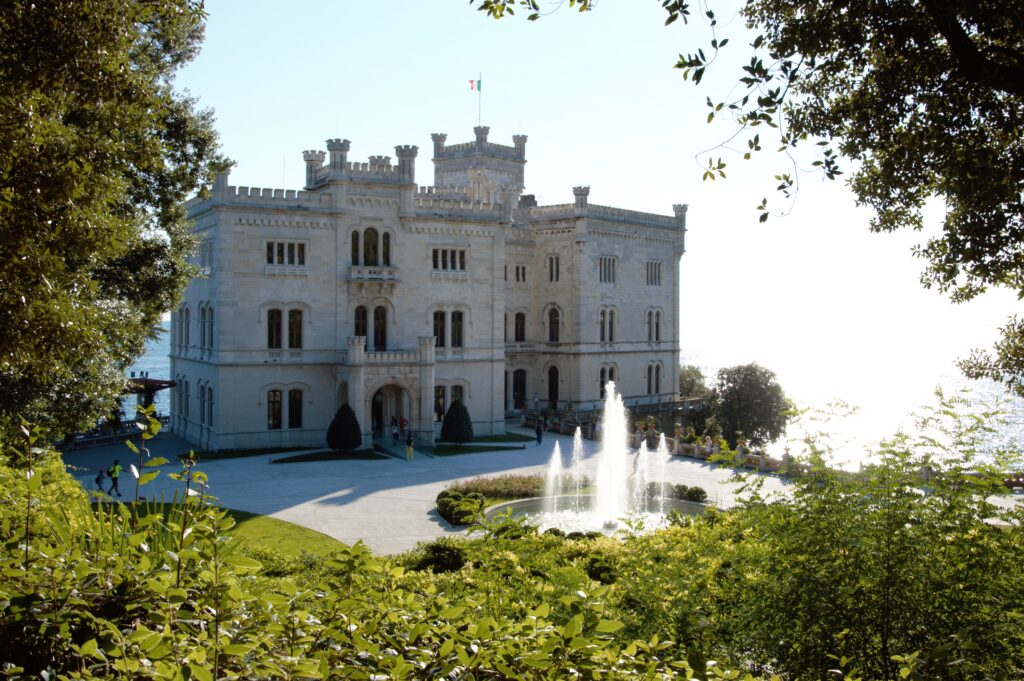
457, 427
344, 434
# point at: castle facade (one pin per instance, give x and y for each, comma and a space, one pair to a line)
364, 288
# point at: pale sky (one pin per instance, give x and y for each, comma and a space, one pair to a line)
835, 311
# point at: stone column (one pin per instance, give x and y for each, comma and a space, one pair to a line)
357, 387
423, 422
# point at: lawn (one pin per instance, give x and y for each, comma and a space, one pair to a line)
504, 437
286, 538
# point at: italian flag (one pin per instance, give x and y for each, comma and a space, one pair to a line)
475, 84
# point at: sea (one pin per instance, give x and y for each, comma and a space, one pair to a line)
154, 363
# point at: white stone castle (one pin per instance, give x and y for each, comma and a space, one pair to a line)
399, 299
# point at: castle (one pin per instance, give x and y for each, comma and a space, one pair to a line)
364, 288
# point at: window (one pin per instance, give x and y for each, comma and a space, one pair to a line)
553, 325
654, 273
386, 261
606, 269
457, 394
355, 248
657, 379
450, 259
294, 408
611, 374
370, 248
209, 407
602, 381
520, 272
650, 326
380, 328
520, 327
274, 329
602, 317
519, 389
438, 402
439, 329
361, 328
506, 327
202, 327
274, 410
553, 268
292, 253
209, 330
295, 329
202, 405
553, 388
457, 317
611, 327
184, 411
657, 326
650, 378
186, 333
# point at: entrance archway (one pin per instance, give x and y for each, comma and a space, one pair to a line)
390, 401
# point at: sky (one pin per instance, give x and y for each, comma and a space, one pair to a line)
836, 311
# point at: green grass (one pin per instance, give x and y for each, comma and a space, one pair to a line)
286, 538
367, 454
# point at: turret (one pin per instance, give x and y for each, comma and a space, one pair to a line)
314, 161
581, 194
439, 139
339, 154
519, 141
406, 154
481, 135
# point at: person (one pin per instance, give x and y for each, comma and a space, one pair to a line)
114, 472
394, 431
408, 448
539, 430
99, 480
403, 424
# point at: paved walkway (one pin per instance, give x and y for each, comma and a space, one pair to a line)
388, 503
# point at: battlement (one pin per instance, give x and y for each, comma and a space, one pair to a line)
432, 205
564, 211
485, 149
446, 192
285, 198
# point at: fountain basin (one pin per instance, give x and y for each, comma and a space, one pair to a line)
575, 513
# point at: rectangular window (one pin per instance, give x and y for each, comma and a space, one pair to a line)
280, 253
291, 254
274, 329
294, 408
439, 329
456, 329
444, 259
295, 329
606, 269
437, 255
302, 255
553, 267
274, 410
439, 402
450, 259
270, 252
287, 253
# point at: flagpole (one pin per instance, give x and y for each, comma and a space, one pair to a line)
479, 99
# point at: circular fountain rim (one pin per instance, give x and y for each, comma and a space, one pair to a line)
692, 507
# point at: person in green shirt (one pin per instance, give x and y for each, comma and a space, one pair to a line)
114, 472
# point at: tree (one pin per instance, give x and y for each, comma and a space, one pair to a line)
692, 385
924, 99
97, 155
691, 382
344, 434
747, 399
457, 427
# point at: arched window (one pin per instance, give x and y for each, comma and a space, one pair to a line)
520, 327
387, 250
519, 389
457, 394
553, 325
553, 388
202, 405
295, 329
657, 379
370, 248
601, 318
439, 328
611, 374
553, 267
506, 327
186, 335
657, 326
650, 326
650, 378
209, 407
273, 410
380, 328
209, 332
294, 408
274, 329
457, 317
355, 248
202, 327
602, 382
438, 402
184, 411
361, 328
611, 326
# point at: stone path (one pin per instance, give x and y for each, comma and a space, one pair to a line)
388, 503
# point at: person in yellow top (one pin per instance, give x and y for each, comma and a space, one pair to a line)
114, 472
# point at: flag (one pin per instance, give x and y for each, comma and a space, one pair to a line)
475, 84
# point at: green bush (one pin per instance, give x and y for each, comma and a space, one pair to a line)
696, 494
344, 434
442, 555
459, 508
457, 426
512, 485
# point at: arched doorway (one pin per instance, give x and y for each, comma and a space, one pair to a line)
390, 401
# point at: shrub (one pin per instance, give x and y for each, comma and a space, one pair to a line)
442, 555
457, 426
344, 434
458, 508
695, 494
601, 568
512, 486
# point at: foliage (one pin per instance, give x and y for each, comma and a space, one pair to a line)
457, 427
511, 485
691, 382
677, 491
924, 100
442, 555
97, 155
460, 508
748, 400
344, 434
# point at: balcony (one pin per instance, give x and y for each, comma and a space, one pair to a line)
373, 273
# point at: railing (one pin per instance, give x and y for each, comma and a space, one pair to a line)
372, 273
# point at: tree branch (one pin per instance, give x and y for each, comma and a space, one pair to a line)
974, 65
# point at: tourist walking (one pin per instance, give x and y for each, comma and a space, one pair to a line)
114, 473
408, 448
394, 431
539, 430
99, 480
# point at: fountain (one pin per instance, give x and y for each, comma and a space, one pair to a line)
620, 486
